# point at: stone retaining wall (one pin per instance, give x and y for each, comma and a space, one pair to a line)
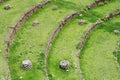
96, 3
53, 36
15, 29
57, 30
95, 25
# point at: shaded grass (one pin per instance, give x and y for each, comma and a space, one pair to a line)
118, 56
107, 8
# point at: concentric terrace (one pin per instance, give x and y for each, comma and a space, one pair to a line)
59, 39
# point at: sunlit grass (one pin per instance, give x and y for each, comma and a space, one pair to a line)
97, 59
8, 18
31, 41
64, 46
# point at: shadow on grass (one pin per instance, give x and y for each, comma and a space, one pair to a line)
110, 26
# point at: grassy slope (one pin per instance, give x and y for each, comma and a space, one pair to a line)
97, 60
30, 42
60, 50
9, 18
64, 46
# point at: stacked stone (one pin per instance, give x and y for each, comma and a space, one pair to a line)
81, 22
26, 64
54, 7
64, 65
7, 7
35, 23
116, 31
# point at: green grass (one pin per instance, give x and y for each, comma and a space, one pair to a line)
30, 42
107, 8
118, 56
3, 67
8, 18
64, 46
97, 59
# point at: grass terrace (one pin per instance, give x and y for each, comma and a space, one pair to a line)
8, 18
97, 60
66, 44
30, 41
